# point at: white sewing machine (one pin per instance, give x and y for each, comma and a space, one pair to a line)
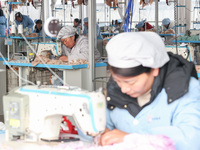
186, 52
43, 48
33, 113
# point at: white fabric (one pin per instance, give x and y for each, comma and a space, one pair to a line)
80, 50
66, 32
131, 49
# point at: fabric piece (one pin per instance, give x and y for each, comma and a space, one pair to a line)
132, 49
47, 60
131, 142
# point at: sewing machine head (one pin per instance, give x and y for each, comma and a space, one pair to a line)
32, 113
55, 48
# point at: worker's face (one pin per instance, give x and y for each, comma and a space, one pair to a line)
69, 41
86, 24
76, 23
166, 26
141, 29
138, 85
19, 19
39, 25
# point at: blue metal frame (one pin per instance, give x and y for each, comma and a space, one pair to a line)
81, 66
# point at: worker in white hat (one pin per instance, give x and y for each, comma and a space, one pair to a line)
85, 30
168, 24
151, 91
74, 46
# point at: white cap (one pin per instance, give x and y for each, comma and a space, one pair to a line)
132, 49
66, 31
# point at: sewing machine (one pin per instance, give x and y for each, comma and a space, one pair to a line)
55, 48
186, 51
33, 113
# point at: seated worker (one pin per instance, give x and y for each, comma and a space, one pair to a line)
168, 26
38, 27
26, 21
144, 26
118, 26
151, 91
3, 23
85, 30
77, 23
74, 46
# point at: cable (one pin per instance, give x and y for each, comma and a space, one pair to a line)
21, 78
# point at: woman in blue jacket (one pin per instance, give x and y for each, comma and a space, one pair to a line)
151, 91
3, 23
26, 21
38, 27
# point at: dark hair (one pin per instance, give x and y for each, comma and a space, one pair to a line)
38, 21
76, 36
1, 12
18, 14
129, 72
77, 20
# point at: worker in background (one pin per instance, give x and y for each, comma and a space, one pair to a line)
151, 91
118, 26
85, 30
38, 27
168, 26
77, 25
26, 21
3, 23
74, 46
144, 26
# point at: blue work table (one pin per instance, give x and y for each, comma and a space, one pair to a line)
170, 34
186, 41
30, 38
166, 34
74, 75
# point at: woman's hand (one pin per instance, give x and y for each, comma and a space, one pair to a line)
63, 58
112, 137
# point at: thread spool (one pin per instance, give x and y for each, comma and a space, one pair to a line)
13, 29
20, 29
112, 4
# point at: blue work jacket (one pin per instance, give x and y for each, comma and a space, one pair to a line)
85, 31
3, 25
179, 120
26, 22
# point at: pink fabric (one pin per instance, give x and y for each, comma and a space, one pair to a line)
131, 142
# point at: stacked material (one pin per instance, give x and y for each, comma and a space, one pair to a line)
47, 60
